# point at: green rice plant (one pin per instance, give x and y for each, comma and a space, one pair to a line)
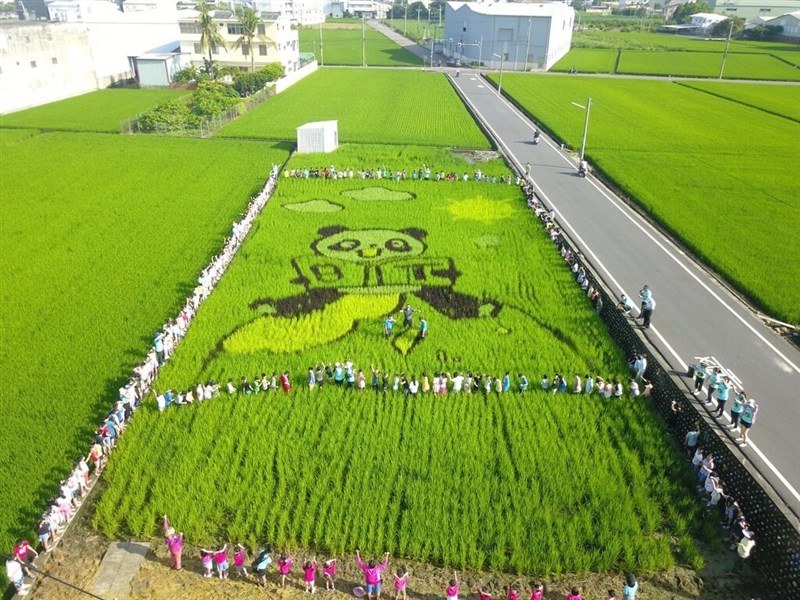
644, 137
94, 256
705, 64
341, 45
372, 107
588, 60
534, 483
778, 100
101, 111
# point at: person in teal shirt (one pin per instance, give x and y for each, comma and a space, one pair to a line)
523, 383
506, 382
630, 588
723, 390
423, 328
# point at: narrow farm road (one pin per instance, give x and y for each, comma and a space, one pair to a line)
695, 316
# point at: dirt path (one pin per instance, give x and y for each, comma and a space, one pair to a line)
78, 555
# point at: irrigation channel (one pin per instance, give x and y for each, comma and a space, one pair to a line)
698, 315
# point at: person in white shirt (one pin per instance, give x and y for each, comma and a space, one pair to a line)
457, 381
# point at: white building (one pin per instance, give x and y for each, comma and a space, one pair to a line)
276, 41
319, 136
705, 21
522, 36
299, 12
790, 23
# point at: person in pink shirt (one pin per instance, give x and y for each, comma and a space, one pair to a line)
174, 543
284, 567
207, 560
575, 594
310, 575
612, 595
537, 593
239, 558
452, 590
285, 383
400, 583
483, 594
221, 561
513, 593
372, 574
329, 573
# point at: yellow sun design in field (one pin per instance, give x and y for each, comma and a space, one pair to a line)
481, 209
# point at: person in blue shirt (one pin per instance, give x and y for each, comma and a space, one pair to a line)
312, 378
423, 328
630, 588
506, 382
523, 383
388, 327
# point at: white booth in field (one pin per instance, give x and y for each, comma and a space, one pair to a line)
319, 136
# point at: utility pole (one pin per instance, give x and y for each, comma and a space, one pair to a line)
727, 45
363, 41
432, 40
419, 10
405, 20
321, 53
528, 45
586, 108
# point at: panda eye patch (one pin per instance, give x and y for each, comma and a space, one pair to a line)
345, 245
397, 245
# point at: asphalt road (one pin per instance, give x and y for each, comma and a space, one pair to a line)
695, 315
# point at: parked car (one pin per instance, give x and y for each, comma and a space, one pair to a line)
453, 62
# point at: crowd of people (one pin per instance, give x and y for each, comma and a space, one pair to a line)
61, 508
423, 173
373, 570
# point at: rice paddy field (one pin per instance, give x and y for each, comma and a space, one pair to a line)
712, 187
102, 238
342, 46
783, 102
644, 53
369, 106
101, 111
534, 482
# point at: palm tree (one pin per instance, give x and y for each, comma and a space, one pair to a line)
249, 21
210, 37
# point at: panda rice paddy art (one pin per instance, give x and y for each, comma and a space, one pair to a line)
351, 275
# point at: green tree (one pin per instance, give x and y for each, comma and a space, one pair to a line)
210, 37
683, 14
249, 21
722, 28
273, 70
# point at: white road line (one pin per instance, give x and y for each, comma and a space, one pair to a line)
677, 261
611, 278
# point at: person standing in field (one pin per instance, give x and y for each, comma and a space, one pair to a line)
523, 383
747, 419
575, 594
239, 559
400, 584
284, 567
174, 543
483, 594
630, 588
423, 328
361, 381
221, 561
372, 574
207, 560
513, 592
261, 564
311, 378
611, 595
388, 327
452, 589
408, 314
310, 576
285, 383
537, 591
506, 383
329, 573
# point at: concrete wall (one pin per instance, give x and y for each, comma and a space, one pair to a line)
61, 53
290, 79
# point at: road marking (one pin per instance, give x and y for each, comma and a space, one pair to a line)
665, 249
586, 248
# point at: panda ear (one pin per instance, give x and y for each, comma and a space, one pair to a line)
418, 234
331, 230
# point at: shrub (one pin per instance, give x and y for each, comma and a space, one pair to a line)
273, 71
250, 83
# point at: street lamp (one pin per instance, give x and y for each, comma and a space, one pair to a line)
479, 45
500, 83
586, 108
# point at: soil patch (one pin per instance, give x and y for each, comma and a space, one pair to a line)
478, 156
78, 555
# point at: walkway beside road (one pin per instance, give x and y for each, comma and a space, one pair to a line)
695, 316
